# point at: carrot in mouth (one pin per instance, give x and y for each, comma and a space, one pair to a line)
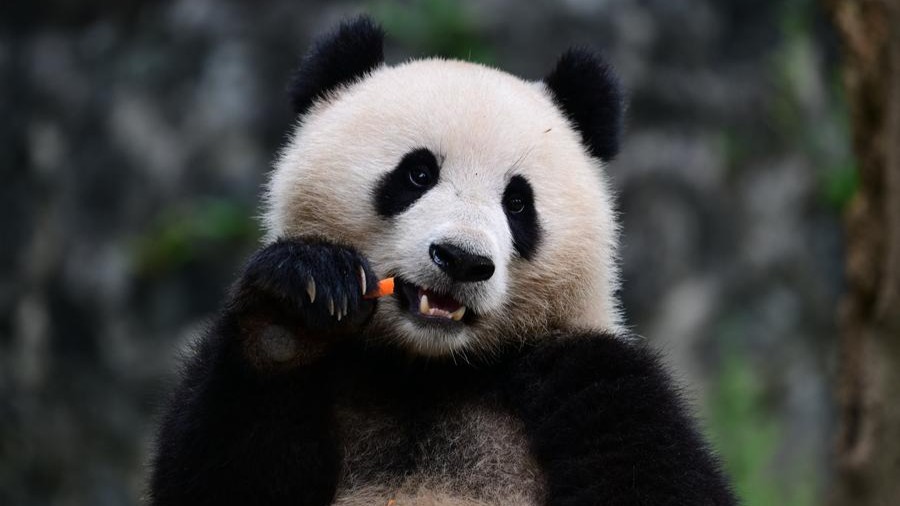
385, 288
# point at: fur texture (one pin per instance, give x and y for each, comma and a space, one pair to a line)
337, 59
306, 393
608, 428
587, 90
234, 436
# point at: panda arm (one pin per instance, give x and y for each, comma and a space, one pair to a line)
251, 421
607, 427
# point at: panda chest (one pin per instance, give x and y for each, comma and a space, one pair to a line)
451, 450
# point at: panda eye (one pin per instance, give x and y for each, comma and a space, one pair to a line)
522, 216
515, 204
420, 175
415, 174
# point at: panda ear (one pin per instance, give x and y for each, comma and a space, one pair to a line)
588, 92
338, 58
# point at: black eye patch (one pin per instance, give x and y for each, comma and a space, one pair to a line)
416, 173
518, 204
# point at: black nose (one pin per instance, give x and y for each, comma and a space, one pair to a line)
460, 264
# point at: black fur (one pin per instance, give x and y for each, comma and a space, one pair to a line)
276, 279
604, 424
607, 428
396, 191
588, 92
232, 435
524, 225
240, 430
339, 58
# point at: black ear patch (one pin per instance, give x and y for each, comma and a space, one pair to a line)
341, 57
588, 92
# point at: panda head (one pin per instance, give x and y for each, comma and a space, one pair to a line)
485, 195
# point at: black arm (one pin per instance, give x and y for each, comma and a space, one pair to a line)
608, 428
251, 421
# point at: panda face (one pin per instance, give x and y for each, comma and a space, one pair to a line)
451, 239
453, 230
484, 195
472, 188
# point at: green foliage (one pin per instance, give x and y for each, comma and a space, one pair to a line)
796, 18
839, 185
435, 28
797, 121
735, 149
841, 179
185, 234
747, 436
793, 69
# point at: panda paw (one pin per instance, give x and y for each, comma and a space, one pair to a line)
315, 286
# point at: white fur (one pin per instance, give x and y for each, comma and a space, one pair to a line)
485, 126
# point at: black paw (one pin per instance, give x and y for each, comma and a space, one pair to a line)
314, 284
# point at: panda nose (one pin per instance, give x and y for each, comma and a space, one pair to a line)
461, 265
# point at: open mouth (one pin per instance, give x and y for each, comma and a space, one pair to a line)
428, 305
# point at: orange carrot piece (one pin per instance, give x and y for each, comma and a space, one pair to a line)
385, 288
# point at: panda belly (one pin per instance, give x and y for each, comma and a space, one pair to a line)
456, 450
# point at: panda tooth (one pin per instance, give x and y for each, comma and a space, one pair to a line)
311, 290
424, 308
458, 314
362, 279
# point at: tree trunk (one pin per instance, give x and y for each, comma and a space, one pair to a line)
868, 446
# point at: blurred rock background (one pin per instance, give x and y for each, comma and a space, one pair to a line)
136, 136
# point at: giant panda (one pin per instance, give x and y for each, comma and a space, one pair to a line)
499, 372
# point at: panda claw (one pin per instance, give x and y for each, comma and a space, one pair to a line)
362, 279
331, 306
311, 289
